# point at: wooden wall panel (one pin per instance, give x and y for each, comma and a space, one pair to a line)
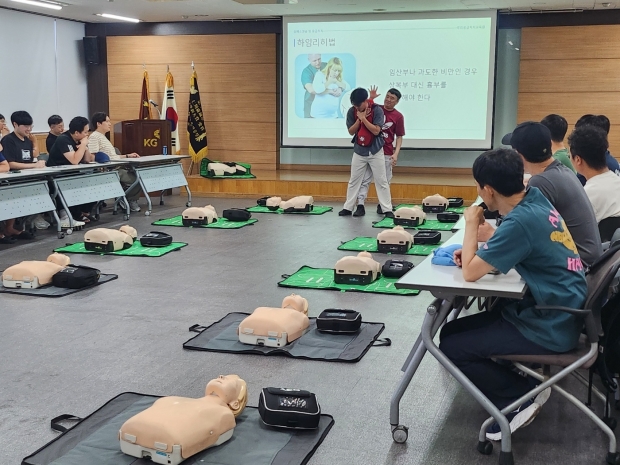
237, 77
226, 48
570, 43
571, 71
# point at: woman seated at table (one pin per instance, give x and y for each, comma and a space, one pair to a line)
71, 148
533, 239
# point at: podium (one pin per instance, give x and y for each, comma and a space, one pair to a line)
143, 136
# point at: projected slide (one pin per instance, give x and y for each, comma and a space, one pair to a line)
442, 65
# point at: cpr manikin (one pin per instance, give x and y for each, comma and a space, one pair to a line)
301, 203
395, 240
110, 240
226, 169
360, 269
435, 203
34, 274
276, 327
198, 216
175, 428
409, 216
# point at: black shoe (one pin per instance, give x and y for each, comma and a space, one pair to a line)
7, 240
379, 211
360, 211
345, 212
389, 215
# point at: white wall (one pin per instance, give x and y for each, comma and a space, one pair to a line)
42, 68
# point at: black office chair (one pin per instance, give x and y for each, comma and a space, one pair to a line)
607, 227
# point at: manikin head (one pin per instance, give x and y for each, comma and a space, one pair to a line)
392, 97
498, 174
296, 302
59, 259
231, 389
315, 60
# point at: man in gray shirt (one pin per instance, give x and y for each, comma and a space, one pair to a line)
364, 122
560, 185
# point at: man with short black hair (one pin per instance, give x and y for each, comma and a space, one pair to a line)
71, 148
57, 127
364, 122
533, 239
600, 121
532, 141
393, 131
588, 145
558, 126
21, 149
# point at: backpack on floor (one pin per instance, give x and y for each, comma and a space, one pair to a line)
76, 277
289, 408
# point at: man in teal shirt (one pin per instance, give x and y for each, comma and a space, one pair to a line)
534, 240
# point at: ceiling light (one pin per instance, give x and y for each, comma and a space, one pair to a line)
120, 18
517, 48
52, 6
510, 42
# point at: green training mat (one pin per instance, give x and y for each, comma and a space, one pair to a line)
316, 210
203, 171
323, 278
369, 244
136, 250
433, 225
221, 223
449, 209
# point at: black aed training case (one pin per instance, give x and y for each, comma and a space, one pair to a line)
448, 217
289, 408
339, 321
427, 237
455, 201
76, 277
396, 268
236, 214
156, 239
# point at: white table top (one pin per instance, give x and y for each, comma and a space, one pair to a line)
155, 159
444, 281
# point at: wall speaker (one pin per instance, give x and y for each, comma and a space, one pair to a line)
91, 50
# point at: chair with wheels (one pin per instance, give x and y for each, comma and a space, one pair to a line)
599, 279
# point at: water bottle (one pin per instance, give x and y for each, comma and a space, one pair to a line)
165, 150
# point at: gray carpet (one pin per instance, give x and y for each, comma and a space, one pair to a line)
71, 355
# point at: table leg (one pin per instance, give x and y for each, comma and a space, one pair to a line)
65, 207
506, 445
149, 207
433, 319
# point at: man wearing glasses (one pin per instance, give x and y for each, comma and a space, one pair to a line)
20, 147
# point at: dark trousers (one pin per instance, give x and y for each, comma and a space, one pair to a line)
469, 342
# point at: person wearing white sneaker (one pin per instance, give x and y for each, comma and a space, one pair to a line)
533, 239
40, 223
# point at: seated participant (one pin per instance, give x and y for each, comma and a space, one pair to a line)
66, 151
556, 182
192, 425
98, 144
588, 145
57, 127
602, 122
20, 149
533, 239
558, 126
4, 168
3, 129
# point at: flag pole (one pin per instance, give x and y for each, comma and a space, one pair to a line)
191, 163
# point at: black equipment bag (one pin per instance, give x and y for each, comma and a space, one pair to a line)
356, 279
396, 268
76, 277
427, 237
236, 214
307, 208
407, 222
339, 321
289, 408
455, 202
156, 239
448, 217
393, 248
